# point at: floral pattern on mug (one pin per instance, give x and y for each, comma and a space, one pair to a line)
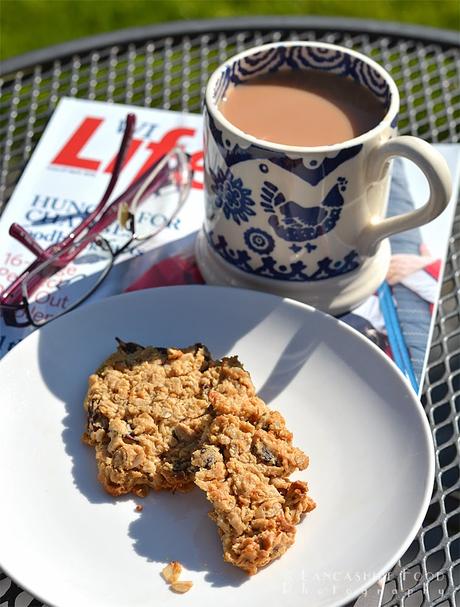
232, 197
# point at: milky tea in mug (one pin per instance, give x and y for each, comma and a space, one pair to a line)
302, 108
297, 142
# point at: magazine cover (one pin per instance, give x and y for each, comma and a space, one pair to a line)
70, 169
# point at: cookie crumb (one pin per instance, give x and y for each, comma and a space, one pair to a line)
171, 573
139, 508
181, 587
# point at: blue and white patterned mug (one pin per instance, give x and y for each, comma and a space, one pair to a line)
306, 222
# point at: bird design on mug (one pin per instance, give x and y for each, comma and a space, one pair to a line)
296, 223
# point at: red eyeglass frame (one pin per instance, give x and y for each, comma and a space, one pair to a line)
61, 254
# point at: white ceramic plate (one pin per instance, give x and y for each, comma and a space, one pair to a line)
371, 471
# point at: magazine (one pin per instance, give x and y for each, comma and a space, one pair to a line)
71, 166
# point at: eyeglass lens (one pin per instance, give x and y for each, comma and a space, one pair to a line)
70, 285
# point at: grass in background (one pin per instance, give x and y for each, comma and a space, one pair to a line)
26, 25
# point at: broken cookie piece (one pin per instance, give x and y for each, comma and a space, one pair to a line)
172, 571
255, 514
147, 412
181, 587
243, 466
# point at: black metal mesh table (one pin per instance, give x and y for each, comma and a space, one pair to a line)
167, 67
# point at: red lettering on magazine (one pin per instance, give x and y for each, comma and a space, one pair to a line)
71, 156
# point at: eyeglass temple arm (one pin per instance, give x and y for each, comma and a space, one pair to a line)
110, 214
12, 295
22, 235
124, 146
156, 176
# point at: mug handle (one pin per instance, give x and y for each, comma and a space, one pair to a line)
436, 171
